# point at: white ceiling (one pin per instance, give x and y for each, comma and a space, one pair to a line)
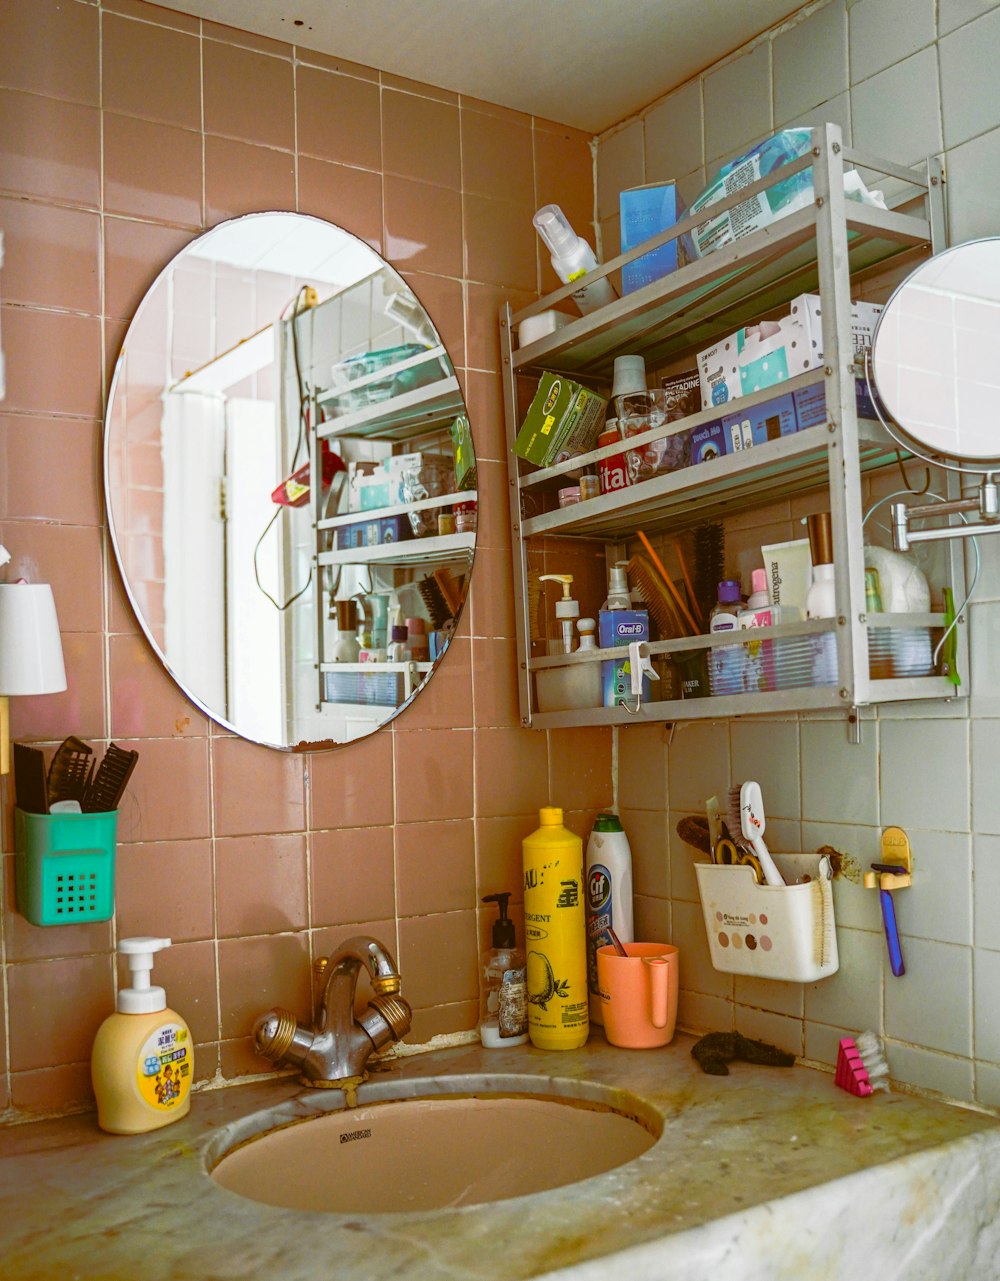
587, 63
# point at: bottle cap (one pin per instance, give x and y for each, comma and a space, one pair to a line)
142, 997
347, 615
758, 581
820, 538
399, 633
550, 816
551, 224
607, 823
503, 927
729, 591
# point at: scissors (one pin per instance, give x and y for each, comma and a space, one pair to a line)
729, 854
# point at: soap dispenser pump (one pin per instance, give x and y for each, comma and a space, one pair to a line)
143, 1060
567, 612
504, 1018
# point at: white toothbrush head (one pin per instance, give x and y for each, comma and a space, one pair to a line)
752, 828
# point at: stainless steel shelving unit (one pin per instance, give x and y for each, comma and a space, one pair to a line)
821, 247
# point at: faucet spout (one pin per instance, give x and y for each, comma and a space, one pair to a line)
335, 1051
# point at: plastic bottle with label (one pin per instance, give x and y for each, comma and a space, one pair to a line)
142, 1064
609, 897
555, 935
572, 258
725, 662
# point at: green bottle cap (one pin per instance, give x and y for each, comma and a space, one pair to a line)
607, 823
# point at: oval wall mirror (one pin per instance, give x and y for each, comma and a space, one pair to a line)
273, 350
935, 356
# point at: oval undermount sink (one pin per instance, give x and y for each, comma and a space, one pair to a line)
454, 1145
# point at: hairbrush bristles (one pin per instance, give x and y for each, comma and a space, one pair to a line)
861, 1065
434, 602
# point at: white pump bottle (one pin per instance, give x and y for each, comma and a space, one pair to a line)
143, 1059
567, 611
572, 258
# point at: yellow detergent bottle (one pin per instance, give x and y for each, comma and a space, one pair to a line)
143, 1059
555, 935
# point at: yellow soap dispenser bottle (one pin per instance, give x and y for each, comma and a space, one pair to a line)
143, 1060
555, 935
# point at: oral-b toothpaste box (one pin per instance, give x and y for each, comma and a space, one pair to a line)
759, 423
619, 627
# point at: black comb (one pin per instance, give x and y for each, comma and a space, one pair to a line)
114, 771
70, 771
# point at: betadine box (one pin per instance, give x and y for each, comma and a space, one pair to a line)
620, 627
645, 212
563, 420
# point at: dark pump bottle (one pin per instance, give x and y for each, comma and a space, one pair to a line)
504, 1012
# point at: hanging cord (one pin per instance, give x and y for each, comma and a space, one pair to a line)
917, 493
899, 493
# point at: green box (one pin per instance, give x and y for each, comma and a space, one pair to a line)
564, 419
64, 872
465, 454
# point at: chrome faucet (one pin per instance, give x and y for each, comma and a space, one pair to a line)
335, 1051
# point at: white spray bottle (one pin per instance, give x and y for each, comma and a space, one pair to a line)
572, 258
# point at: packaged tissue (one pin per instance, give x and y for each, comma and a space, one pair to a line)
787, 195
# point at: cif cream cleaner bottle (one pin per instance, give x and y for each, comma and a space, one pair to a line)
555, 935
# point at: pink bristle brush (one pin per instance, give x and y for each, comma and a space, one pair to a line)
862, 1067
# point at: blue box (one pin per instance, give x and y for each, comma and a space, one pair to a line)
372, 533
619, 627
810, 404
759, 424
645, 212
707, 443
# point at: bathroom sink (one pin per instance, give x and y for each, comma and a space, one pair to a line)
432, 1144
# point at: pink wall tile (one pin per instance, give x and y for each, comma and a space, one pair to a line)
450, 707
51, 359
165, 888
500, 242
258, 973
60, 1005
152, 170
423, 227
349, 198
242, 178
245, 39
51, 48
167, 796
323, 97
433, 775
498, 853
153, 13
50, 149
512, 771
435, 867
32, 488
68, 557
498, 157
79, 709
438, 958
257, 789
421, 139
151, 71
580, 768
51, 256
248, 95
260, 885
352, 874
51, 1090
352, 786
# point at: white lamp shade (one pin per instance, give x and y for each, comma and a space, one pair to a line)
31, 658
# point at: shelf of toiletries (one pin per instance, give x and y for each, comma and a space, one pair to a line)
809, 430
392, 401
438, 549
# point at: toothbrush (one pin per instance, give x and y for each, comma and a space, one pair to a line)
889, 919
746, 815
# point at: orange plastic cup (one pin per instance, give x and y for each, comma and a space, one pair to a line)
639, 994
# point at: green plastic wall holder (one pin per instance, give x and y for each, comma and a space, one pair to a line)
65, 866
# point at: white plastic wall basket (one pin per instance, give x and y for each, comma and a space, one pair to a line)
771, 931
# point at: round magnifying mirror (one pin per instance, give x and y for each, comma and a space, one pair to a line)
273, 350
936, 356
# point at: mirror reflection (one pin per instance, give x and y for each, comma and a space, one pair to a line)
935, 352
275, 349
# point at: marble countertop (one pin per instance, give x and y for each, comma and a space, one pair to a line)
767, 1173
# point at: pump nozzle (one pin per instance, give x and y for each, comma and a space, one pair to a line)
553, 227
142, 997
567, 609
503, 928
